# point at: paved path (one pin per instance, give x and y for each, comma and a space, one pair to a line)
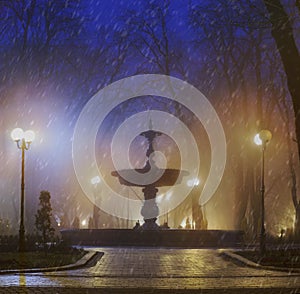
149, 269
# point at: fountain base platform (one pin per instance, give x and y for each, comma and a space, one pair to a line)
154, 238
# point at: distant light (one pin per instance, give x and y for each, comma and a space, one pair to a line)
257, 140
17, 134
193, 182
183, 223
83, 222
168, 195
196, 182
95, 180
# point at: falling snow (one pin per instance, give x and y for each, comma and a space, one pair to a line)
53, 62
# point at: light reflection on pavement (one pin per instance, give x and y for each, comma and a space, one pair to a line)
158, 268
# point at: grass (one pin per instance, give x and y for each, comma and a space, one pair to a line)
15, 260
289, 258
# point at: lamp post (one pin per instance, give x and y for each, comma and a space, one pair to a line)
23, 140
262, 139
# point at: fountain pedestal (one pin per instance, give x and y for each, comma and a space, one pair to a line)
150, 208
169, 177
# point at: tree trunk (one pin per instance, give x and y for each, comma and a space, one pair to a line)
282, 33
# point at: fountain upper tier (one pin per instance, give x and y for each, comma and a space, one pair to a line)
168, 178
165, 177
161, 178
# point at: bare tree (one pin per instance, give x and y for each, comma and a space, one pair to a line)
285, 114
230, 55
238, 60
34, 32
282, 32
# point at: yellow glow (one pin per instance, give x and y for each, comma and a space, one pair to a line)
83, 222
265, 135
17, 134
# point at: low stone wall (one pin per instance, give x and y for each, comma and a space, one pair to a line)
167, 238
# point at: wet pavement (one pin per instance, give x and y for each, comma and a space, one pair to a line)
155, 270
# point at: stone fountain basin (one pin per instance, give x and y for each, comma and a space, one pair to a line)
169, 177
155, 238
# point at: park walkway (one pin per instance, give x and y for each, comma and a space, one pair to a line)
155, 270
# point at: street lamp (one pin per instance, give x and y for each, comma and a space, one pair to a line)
262, 139
23, 140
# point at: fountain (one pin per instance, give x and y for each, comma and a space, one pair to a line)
169, 177
150, 234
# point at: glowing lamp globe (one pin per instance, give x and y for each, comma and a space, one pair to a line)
263, 137
257, 140
17, 134
29, 136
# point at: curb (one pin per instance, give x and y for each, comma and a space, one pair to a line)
252, 264
85, 260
